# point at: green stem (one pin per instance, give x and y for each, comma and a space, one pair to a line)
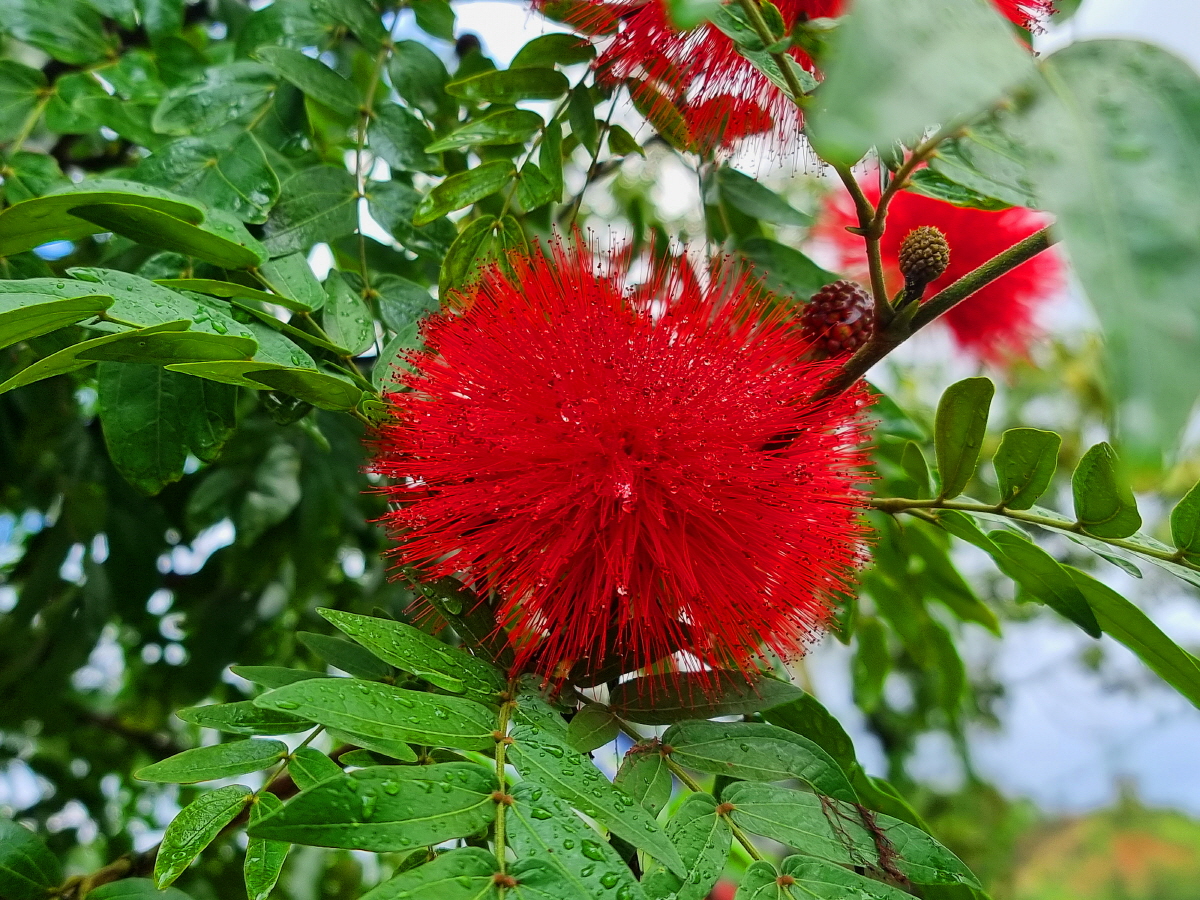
502, 805
754, 14
919, 508
870, 228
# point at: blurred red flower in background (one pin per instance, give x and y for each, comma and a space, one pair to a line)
719, 93
996, 323
592, 451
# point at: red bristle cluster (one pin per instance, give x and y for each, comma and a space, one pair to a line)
722, 97
993, 324
590, 452
839, 318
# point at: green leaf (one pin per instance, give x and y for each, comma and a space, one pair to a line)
217, 761
550, 158
761, 882
401, 302
463, 189
459, 266
321, 389
872, 663
509, 126
29, 223
785, 269
1044, 577
390, 713
71, 31
399, 138
703, 838
388, 370
1104, 503
385, 808
592, 727
622, 143
315, 205
28, 870
221, 239
544, 756
346, 316
463, 874
754, 199
196, 826
31, 175
420, 78
834, 831
511, 86
756, 752
350, 658
959, 428
1185, 522
309, 767
928, 183
160, 344
645, 776
533, 189
434, 17
897, 69
1126, 623
21, 88
229, 93
389, 748
986, 160
273, 676
23, 316
420, 654
581, 115
1025, 462
295, 285
134, 889
393, 204
234, 177
916, 467
542, 826
264, 859
655, 700
314, 78
243, 717
539, 879
1114, 131
806, 717
151, 417
816, 878
549, 50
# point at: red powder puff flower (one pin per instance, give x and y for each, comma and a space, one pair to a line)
591, 453
997, 322
722, 97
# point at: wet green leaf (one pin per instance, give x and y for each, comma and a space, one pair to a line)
819, 879
383, 711
1025, 464
1044, 577
756, 752
314, 78
217, 761
420, 654
549, 50
545, 756
645, 776
385, 808
654, 700
229, 93
350, 658
264, 859
592, 727
703, 838
315, 205
135, 889
511, 86
463, 189
21, 88
399, 138
509, 126
295, 285
1185, 521
346, 316
221, 239
463, 874
806, 717
542, 826
234, 177
309, 767
27, 315
196, 826
243, 717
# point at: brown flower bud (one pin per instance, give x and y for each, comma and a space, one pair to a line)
924, 255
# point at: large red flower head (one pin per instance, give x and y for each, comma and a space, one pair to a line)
591, 453
994, 324
721, 96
